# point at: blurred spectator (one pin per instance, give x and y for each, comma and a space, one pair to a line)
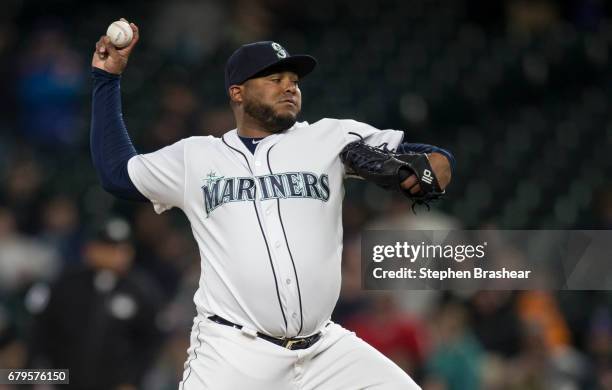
536, 367
177, 116
23, 260
600, 345
49, 84
22, 192
164, 259
100, 320
177, 319
216, 122
539, 310
495, 322
352, 300
532, 16
12, 350
546, 359
188, 30
251, 21
456, 361
61, 228
393, 332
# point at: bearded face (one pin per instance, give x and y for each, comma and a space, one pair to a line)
273, 100
271, 119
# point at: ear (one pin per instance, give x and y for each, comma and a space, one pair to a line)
235, 93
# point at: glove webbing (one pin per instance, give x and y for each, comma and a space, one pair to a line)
388, 170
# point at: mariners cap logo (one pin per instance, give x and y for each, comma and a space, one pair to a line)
280, 52
251, 59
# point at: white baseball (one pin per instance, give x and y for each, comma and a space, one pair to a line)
120, 33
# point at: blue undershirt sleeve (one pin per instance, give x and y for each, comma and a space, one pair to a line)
111, 147
424, 148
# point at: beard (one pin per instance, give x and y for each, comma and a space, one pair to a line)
268, 118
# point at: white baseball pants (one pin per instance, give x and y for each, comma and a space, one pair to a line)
221, 357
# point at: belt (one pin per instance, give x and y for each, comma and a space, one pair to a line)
289, 343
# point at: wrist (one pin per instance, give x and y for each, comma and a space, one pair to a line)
101, 73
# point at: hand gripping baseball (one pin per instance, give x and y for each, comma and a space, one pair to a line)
111, 59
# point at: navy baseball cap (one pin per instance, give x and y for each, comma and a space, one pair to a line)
252, 59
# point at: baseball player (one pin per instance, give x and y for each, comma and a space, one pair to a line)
264, 202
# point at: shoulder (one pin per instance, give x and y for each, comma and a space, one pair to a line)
326, 123
322, 125
344, 125
339, 130
199, 142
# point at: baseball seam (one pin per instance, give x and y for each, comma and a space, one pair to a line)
123, 30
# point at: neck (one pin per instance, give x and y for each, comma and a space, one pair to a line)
251, 128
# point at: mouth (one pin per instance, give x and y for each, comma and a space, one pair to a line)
290, 102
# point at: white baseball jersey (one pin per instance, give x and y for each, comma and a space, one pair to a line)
268, 225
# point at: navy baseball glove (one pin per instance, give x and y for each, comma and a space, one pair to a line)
388, 170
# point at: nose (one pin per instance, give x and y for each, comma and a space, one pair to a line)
290, 86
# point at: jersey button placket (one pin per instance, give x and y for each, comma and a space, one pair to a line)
274, 234
282, 260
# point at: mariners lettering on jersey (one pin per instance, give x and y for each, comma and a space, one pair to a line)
219, 190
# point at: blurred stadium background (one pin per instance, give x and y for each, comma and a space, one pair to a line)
518, 90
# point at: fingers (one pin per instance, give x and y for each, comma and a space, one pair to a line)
101, 51
105, 49
110, 48
409, 182
412, 185
135, 38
